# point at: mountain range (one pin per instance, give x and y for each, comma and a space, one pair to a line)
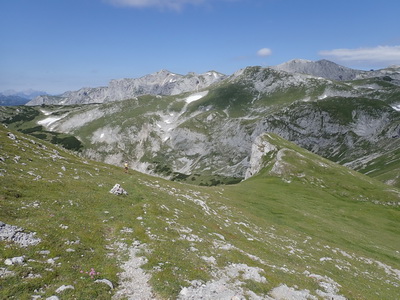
167, 83
159, 83
201, 128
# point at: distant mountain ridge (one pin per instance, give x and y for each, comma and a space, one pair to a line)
12, 100
167, 83
330, 70
159, 83
321, 68
11, 97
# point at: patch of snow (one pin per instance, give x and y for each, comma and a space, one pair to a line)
45, 112
396, 107
195, 97
50, 120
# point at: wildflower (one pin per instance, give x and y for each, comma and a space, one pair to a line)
91, 273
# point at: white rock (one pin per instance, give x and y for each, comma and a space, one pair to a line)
63, 288
105, 281
19, 260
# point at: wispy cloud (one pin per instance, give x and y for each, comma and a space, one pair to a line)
264, 52
163, 4
376, 55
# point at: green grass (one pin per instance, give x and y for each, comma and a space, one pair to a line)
234, 98
283, 228
25, 118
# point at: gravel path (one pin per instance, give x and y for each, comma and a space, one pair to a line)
133, 280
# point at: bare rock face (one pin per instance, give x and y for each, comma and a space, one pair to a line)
259, 149
159, 83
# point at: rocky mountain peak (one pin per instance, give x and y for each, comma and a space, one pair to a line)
164, 72
321, 68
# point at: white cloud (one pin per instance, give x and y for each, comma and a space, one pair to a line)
264, 52
170, 4
376, 55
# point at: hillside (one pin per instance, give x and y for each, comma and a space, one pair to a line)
302, 227
204, 136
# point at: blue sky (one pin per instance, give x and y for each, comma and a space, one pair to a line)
60, 45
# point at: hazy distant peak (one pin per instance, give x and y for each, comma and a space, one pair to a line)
321, 68
27, 94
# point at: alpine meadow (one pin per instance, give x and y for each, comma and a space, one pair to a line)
271, 183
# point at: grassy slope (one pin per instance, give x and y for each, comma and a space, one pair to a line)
25, 119
290, 230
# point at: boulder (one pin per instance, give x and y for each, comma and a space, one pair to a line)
63, 288
105, 281
118, 190
19, 260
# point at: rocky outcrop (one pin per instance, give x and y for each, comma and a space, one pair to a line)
17, 235
260, 148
